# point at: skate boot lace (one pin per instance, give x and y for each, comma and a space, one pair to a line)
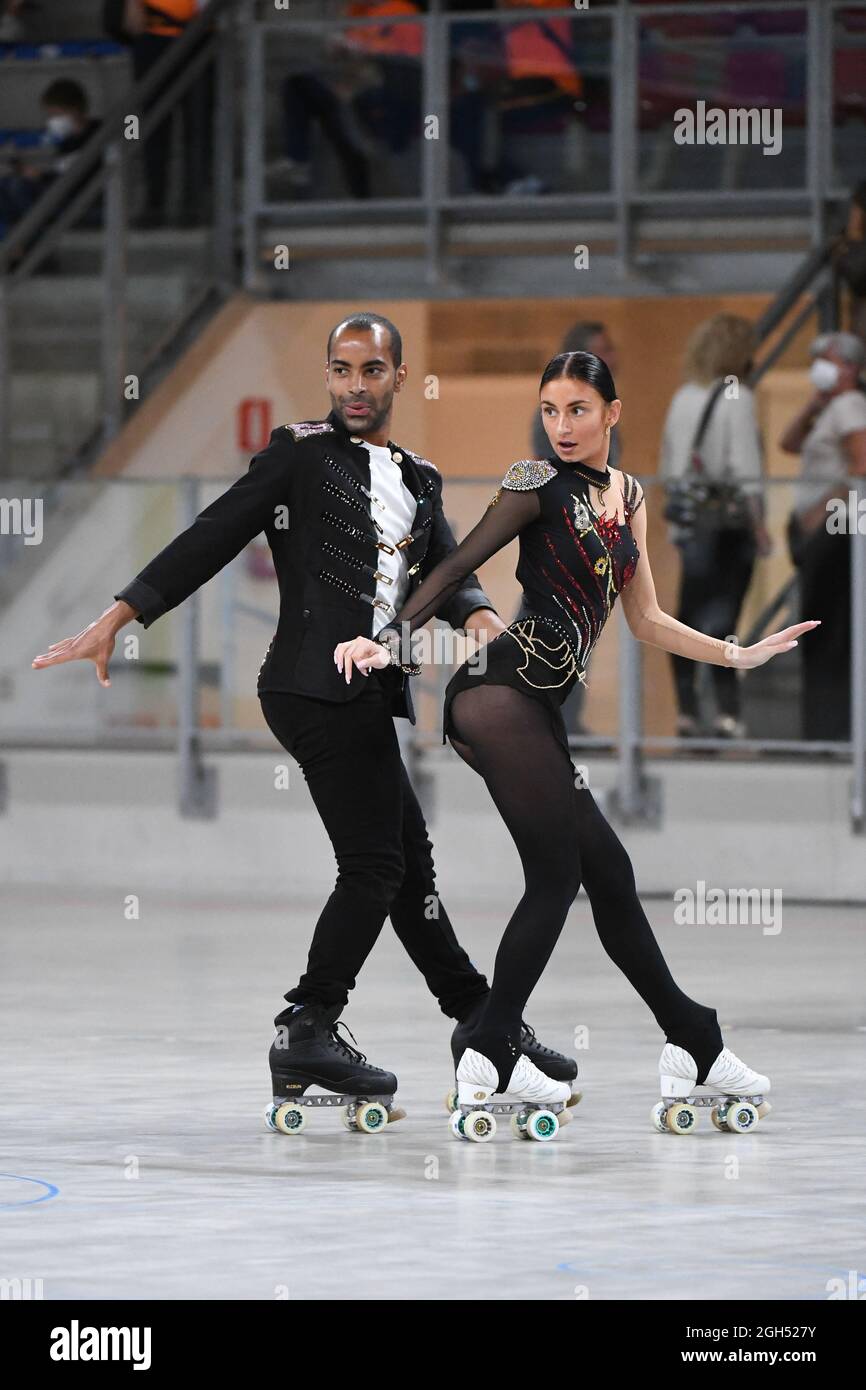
340, 1045
528, 1039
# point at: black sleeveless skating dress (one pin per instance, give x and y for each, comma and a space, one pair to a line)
573, 563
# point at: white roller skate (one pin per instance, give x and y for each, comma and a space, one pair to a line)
735, 1093
535, 1102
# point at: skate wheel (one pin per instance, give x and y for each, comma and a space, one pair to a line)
456, 1123
681, 1119
289, 1119
371, 1117
764, 1109
451, 1102
518, 1126
270, 1112
657, 1116
741, 1116
479, 1127
542, 1125
347, 1118
718, 1117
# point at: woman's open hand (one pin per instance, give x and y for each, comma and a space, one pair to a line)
362, 652
745, 658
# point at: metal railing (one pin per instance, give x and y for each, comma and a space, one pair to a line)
433, 209
172, 716
101, 167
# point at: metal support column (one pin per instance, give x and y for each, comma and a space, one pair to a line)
224, 153
434, 153
858, 661
253, 145
114, 324
197, 784
635, 797
623, 133
5, 380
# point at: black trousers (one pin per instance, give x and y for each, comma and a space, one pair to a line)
716, 573
350, 758
825, 593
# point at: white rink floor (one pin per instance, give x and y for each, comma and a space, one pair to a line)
135, 1162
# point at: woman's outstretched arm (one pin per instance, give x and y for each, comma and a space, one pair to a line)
651, 624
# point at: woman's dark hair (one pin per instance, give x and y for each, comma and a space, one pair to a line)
581, 366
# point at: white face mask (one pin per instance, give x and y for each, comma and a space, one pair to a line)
824, 374
59, 127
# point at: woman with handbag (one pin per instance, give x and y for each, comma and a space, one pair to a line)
712, 466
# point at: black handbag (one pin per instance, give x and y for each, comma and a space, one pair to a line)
697, 502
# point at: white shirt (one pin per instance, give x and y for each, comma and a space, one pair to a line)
396, 518
825, 463
731, 446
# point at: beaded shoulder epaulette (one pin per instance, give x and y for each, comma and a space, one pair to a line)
527, 474
304, 428
416, 458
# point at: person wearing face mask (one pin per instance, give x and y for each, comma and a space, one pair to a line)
829, 434
68, 125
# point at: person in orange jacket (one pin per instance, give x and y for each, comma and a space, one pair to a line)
154, 27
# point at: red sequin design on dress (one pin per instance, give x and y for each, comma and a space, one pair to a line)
608, 528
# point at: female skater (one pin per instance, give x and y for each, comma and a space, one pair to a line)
582, 530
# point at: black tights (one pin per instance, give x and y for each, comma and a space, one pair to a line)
563, 840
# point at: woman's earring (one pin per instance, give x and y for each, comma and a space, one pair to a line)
607, 429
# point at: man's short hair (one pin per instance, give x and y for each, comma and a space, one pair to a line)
849, 347
365, 322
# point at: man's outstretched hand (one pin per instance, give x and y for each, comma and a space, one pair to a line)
93, 643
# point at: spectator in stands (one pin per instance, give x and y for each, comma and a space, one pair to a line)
851, 260
588, 335
542, 91
68, 126
368, 84
12, 25
153, 29
829, 434
717, 564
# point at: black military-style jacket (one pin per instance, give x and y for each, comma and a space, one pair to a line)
308, 490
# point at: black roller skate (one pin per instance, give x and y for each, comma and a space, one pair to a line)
308, 1051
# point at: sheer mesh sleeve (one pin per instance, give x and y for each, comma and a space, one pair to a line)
505, 517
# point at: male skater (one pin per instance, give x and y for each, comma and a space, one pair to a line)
354, 523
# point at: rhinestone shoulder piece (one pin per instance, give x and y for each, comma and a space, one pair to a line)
416, 458
527, 474
304, 428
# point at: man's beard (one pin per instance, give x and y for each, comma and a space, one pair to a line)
375, 421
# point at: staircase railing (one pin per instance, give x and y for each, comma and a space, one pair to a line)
102, 166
